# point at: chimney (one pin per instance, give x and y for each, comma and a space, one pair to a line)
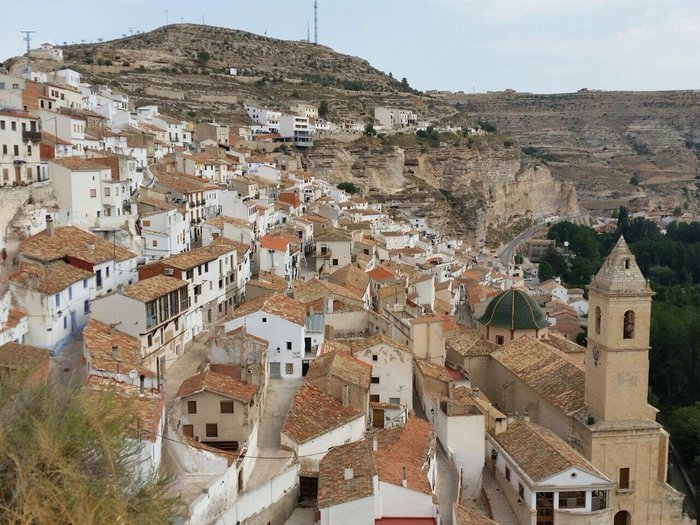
404, 482
244, 373
347, 473
49, 225
374, 444
345, 395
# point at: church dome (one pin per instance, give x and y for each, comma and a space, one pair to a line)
514, 310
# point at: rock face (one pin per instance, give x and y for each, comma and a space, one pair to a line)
484, 186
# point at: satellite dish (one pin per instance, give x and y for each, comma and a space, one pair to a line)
133, 374
566, 243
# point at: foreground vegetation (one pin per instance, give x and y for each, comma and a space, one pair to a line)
672, 263
65, 458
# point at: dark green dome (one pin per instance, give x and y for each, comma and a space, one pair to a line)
513, 310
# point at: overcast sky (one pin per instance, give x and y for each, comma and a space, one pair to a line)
544, 46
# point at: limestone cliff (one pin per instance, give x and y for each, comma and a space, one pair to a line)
485, 185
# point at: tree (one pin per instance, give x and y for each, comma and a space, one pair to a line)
369, 130
404, 84
203, 56
67, 458
677, 211
546, 271
635, 180
348, 187
622, 215
323, 109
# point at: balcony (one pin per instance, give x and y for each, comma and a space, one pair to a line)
31, 136
324, 253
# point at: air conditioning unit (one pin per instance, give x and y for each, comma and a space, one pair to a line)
168, 271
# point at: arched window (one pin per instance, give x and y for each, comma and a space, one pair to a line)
628, 328
597, 319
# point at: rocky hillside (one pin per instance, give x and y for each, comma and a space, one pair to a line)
473, 189
185, 69
600, 141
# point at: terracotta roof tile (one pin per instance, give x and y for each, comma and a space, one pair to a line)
153, 288
49, 278
69, 241
333, 488
276, 242
470, 343
541, 453
359, 345
314, 413
218, 383
16, 356
314, 289
352, 278
465, 516
277, 305
343, 366
548, 371
98, 340
434, 371
198, 256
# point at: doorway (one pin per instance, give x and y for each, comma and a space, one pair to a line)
275, 370
623, 518
378, 418
304, 367
545, 508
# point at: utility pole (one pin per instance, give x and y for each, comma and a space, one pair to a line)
131, 31
308, 32
316, 22
28, 39
166, 17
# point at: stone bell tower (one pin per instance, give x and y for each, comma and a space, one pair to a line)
617, 358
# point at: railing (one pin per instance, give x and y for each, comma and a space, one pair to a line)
323, 252
31, 136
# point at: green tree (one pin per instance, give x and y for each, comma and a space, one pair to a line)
369, 130
323, 109
348, 187
635, 180
677, 211
622, 216
404, 84
546, 271
203, 56
556, 261
67, 458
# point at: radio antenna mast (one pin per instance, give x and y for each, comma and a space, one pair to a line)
316, 22
28, 39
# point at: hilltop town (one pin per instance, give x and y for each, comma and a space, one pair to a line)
323, 317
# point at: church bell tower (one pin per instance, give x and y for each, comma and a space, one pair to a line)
617, 357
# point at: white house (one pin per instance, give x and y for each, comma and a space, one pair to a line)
317, 422
333, 250
381, 477
298, 130
20, 161
153, 311
543, 477
279, 255
391, 389
56, 297
282, 321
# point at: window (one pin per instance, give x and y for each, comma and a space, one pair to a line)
264, 319
85, 283
289, 345
57, 298
149, 340
335, 262
13, 125
4, 149
507, 474
106, 192
598, 319
191, 407
29, 150
521, 491
375, 380
628, 327
374, 398
226, 407
86, 307
107, 271
289, 368
572, 500
394, 400
188, 430
2, 124
375, 357
5, 174
212, 430
499, 340
16, 150
627, 264
70, 293
624, 479
154, 242
93, 193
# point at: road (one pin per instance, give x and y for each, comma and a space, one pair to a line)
506, 255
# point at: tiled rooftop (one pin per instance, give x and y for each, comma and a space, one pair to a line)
218, 383
16, 356
277, 305
352, 278
99, 341
49, 278
470, 343
72, 242
198, 256
359, 345
153, 288
343, 366
539, 452
548, 371
434, 371
314, 289
333, 488
314, 413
